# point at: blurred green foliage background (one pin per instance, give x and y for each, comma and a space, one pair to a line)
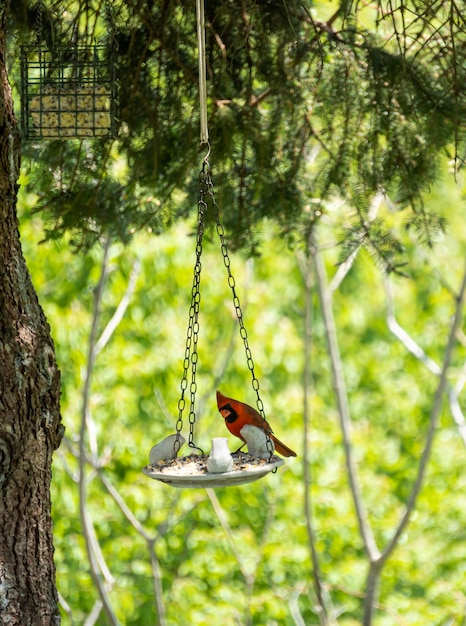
240, 555
347, 111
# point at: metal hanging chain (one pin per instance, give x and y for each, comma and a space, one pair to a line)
110, 23
38, 22
192, 335
236, 302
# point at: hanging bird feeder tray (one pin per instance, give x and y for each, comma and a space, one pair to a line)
220, 468
68, 92
191, 471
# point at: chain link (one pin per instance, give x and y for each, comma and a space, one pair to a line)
237, 305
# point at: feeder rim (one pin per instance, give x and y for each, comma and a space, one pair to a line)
204, 479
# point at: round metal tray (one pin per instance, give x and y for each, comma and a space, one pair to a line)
204, 479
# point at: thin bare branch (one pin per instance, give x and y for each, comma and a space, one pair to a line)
222, 518
120, 310
343, 408
94, 615
432, 366
321, 608
294, 608
345, 267
403, 336
124, 508
96, 561
435, 413
66, 608
376, 565
249, 572
158, 589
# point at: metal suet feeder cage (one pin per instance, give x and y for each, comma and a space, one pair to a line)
68, 92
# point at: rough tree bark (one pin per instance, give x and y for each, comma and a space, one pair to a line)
30, 427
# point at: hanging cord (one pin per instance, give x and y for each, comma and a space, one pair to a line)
202, 71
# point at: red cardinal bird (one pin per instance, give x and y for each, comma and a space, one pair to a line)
238, 414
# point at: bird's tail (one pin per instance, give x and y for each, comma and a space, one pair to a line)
281, 448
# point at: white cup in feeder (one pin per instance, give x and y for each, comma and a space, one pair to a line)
220, 459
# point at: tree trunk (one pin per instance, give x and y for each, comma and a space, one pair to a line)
30, 427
